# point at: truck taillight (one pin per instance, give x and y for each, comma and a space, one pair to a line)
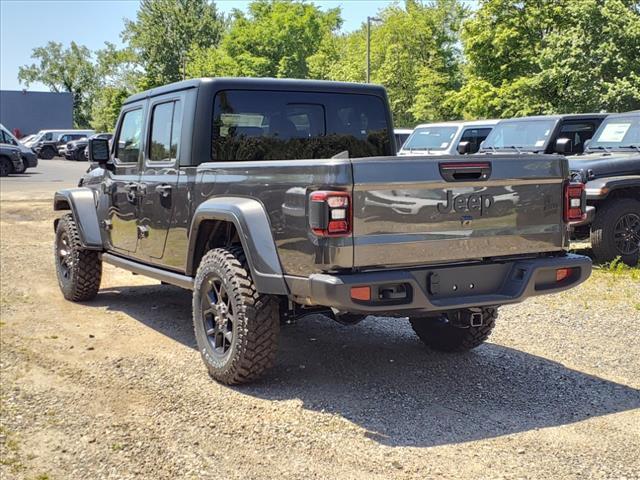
574, 202
330, 213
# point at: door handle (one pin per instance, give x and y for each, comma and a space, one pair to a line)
164, 190
131, 189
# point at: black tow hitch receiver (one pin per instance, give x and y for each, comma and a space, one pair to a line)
466, 319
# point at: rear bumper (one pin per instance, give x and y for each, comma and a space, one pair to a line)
443, 288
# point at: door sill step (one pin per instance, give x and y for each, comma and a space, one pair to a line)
172, 278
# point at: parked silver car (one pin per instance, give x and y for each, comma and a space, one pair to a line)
447, 138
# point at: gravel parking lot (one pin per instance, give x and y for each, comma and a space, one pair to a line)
114, 388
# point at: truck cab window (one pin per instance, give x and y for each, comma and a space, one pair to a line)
166, 123
129, 137
297, 125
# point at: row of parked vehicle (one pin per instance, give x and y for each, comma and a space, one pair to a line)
17, 155
603, 152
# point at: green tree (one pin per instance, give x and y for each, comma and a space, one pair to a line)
118, 77
274, 39
64, 70
550, 56
163, 33
414, 54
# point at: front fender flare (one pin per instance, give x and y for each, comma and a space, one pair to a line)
600, 188
253, 227
82, 203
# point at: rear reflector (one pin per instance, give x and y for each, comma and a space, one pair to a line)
361, 293
563, 274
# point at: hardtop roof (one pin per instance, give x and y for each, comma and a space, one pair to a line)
562, 116
260, 84
458, 123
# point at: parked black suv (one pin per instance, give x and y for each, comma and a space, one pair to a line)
77, 149
10, 160
50, 143
564, 134
610, 168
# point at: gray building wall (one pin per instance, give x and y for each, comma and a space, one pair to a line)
33, 111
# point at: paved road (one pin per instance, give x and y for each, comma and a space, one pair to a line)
46, 178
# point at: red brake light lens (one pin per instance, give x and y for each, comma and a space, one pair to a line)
330, 213
573, 202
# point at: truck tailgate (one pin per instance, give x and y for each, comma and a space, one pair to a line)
417, 210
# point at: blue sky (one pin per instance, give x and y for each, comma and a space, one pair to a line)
26, 24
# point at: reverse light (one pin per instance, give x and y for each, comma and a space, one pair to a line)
330, 213
574, 201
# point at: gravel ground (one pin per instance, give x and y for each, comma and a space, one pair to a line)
114, 389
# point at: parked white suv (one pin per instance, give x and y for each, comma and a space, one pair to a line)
447, 138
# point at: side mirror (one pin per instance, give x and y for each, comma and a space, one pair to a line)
586, 144
98, 151
563, 146
464, 148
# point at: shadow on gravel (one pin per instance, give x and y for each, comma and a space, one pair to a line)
380, 377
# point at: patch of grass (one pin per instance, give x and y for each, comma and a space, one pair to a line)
116, 447
619, 269
10, 456
42, 476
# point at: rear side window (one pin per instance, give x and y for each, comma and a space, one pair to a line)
258, 125
475, 136
578, 133
166, 126
130, 137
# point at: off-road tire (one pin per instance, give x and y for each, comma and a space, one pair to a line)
47, 153
79, 280
602, 230
256, 322
444, 337
5, 167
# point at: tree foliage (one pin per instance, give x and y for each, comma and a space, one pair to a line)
165, 30
118, 77
274, 39
64, 70
437, 59
550, 56
414, 54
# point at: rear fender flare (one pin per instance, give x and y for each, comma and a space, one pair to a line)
253, 227
82, 203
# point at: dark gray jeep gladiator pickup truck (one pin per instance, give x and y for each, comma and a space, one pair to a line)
273, 199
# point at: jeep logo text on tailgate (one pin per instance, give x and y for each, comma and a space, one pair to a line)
466, 203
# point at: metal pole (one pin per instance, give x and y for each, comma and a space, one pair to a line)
368, 49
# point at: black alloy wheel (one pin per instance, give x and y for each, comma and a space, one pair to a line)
218, 315
626, 234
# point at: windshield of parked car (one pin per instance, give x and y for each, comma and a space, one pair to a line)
619, 132
529, 135
258, 125
430, 138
